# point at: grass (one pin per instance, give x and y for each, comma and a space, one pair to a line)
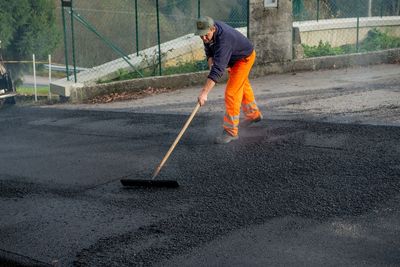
41, 91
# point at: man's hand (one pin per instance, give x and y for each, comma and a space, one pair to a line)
202, 98
204, 92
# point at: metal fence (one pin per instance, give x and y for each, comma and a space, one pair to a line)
124, 39
107, 36
329, 9
331, 27
31, 77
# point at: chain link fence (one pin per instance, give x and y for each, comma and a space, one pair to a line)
123, 39
329, 9
32, 76
332, 27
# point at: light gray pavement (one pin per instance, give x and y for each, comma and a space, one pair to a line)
367, 95
29, 81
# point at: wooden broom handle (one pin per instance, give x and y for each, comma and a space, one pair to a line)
176, 141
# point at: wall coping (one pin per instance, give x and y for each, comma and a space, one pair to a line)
332, 24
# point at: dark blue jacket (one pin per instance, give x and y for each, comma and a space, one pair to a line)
228, 46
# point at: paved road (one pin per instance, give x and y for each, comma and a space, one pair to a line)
29, 81
367, 95
299, 188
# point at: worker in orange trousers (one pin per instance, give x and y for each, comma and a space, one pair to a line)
225, 47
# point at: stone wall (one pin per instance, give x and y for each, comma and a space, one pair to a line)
271, 31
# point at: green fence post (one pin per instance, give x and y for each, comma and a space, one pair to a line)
398, 7
358, 27
198, 8
65, 4
137, 28
358, 34
73, 40
317, 10
158, 38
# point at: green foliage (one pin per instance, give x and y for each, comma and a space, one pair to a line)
322, 49
375, 40
153, 61
27, 27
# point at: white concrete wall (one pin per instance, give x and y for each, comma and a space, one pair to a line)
344, 31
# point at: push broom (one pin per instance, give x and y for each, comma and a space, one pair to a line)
162, 183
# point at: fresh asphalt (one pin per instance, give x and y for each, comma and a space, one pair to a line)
289, 192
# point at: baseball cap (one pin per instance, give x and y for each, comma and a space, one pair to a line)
203, 25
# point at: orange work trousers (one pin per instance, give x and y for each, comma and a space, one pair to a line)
239, 94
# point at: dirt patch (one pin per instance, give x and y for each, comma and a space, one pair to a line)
124, 96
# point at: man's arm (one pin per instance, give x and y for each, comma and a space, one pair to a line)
204, 92
208, 86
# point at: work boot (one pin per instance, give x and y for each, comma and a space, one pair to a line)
225, 138
247, 122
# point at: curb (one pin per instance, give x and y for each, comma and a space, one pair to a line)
80, 94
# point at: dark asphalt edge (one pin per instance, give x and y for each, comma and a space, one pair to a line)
12, 259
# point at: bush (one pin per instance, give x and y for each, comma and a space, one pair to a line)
322, 49
375, 40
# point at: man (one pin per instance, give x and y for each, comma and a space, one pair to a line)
226, 47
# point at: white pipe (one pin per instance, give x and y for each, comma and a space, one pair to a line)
34, 76
49, 76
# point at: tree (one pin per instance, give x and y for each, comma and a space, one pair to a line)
27, 27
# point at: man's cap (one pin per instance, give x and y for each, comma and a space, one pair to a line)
203, 25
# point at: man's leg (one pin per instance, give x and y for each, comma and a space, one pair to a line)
238, 84
249, 105
233, 97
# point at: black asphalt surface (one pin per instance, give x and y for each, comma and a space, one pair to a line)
61, 202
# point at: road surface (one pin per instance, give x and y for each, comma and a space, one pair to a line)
315, 183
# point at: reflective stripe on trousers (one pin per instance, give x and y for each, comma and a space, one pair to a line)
238, 93
230, 122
